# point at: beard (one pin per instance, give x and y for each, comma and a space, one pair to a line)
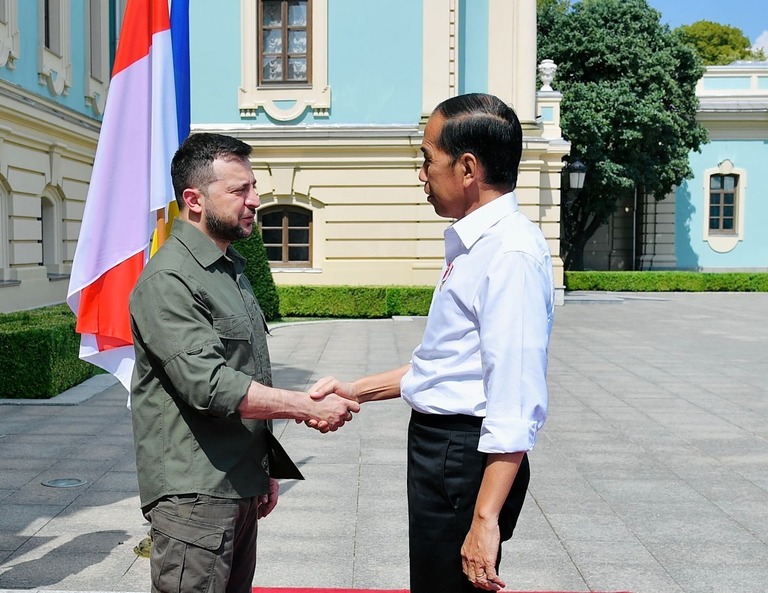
222, 230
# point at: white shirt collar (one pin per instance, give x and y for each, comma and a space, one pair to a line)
470, 228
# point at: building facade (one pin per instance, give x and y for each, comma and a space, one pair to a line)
334, 94
715, 221
55, 60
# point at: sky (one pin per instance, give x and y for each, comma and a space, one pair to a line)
751, 16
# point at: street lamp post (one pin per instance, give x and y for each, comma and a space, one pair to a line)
577, 172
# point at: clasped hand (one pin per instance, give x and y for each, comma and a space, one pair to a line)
327, 387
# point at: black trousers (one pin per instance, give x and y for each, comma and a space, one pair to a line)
445, 470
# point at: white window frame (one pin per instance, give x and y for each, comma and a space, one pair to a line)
97, 76
283, 102
9, 34
55, 69
718, 241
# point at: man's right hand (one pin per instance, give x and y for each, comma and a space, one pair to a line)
328, 385
323, 388
327, 410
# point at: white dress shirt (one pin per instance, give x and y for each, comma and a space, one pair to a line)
484, 350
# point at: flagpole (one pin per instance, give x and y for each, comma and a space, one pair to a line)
161, 234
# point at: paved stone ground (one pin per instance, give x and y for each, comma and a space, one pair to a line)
650, 476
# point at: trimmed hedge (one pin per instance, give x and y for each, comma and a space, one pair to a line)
667, 281
356, 302
39, 348
259, 274
39, 353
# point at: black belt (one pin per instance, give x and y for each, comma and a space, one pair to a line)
447, 421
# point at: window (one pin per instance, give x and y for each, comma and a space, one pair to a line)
725, 192
287, 235
722, 203
51, 26
116, 14
97, 72
9, 33
96, 38
284, 41
5, 197
54, 62
284, 59
51, 231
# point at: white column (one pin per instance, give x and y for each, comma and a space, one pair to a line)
439, 53
512, 54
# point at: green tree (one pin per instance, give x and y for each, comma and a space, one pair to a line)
629, 106
259, 274
546, 5
718, 44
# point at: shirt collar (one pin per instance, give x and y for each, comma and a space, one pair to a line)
202, 248
469, 229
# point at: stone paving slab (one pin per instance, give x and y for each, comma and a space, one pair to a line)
649, 476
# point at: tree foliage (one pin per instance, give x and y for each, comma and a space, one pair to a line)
628, 109
718, 44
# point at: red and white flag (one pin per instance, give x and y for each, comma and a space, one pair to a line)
130, 182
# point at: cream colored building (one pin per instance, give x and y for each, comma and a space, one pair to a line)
336, 157
360, 213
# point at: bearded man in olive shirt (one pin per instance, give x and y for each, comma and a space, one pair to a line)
201, 394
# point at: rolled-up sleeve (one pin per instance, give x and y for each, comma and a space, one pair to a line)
515, 318
178, 330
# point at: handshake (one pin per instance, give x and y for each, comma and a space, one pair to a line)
333, 405
327, 405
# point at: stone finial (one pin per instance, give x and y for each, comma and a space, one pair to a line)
547, 70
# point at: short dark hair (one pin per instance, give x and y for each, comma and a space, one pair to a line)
486, 127
192, 165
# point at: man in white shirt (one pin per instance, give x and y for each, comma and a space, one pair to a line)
477, 381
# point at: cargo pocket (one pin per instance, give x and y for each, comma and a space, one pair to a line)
186, 551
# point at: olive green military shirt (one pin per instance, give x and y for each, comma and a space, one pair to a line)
199, 338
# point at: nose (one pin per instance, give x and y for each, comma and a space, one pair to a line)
423, 173
252, 200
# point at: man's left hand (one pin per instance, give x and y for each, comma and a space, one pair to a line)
268, 501
479, 552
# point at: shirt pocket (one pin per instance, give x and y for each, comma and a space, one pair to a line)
236, 335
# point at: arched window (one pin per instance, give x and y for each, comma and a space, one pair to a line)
287, 235
50, 232
725, 194
4, 240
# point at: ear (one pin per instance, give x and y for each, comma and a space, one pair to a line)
469, 168
193, 199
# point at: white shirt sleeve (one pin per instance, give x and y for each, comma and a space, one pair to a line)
513, 307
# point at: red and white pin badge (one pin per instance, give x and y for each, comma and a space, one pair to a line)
447, 273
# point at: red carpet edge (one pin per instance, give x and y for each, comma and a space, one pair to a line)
326, 590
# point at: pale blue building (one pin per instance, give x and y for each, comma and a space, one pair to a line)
715, 221
55, 58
